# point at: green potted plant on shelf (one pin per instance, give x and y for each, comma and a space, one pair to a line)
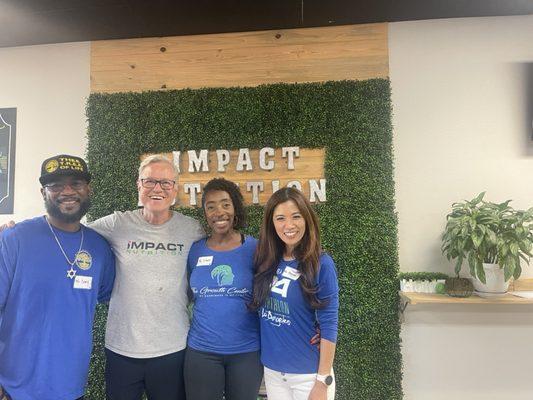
493, 238
422, 282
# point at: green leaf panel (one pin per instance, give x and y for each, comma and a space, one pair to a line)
352, 120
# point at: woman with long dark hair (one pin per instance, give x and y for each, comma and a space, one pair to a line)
222, 357
295, 289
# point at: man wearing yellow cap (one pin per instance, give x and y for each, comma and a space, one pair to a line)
53, 271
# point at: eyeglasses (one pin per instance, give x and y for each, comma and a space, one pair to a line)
59, 187
150, 183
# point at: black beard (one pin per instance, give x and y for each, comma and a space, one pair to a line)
54, 211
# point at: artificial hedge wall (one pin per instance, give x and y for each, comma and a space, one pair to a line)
352, 120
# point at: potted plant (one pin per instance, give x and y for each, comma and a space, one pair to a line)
422, 282
493, 238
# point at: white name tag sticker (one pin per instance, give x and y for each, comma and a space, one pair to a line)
291, 273
204, 261
83, 282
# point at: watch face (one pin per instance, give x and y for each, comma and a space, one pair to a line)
329, 380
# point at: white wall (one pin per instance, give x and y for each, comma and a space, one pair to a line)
467, 352
48, 85
459, 92
460, 97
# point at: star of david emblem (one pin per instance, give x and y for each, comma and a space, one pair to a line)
71, 273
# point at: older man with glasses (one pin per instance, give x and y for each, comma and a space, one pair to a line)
53, 270
148, 323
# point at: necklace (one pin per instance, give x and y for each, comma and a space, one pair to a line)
71, 273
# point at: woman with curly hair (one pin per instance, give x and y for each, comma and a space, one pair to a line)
222, 357
295, 289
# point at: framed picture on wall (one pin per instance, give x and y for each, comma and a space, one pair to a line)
8, 129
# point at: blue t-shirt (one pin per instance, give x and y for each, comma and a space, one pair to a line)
47, 317
288, 321
222, 283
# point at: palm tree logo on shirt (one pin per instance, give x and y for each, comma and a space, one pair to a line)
223, 275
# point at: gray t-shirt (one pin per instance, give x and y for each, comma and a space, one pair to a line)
148, 308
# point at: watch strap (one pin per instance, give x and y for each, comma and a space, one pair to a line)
325, 379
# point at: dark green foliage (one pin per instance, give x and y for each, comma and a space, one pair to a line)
353, 121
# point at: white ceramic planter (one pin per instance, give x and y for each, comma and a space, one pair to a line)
495, 280
408, 286
418, 286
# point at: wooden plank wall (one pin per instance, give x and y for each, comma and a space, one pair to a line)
240, 59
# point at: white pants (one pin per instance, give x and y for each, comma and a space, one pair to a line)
282, 386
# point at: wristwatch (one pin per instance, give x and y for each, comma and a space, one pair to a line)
325, 379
